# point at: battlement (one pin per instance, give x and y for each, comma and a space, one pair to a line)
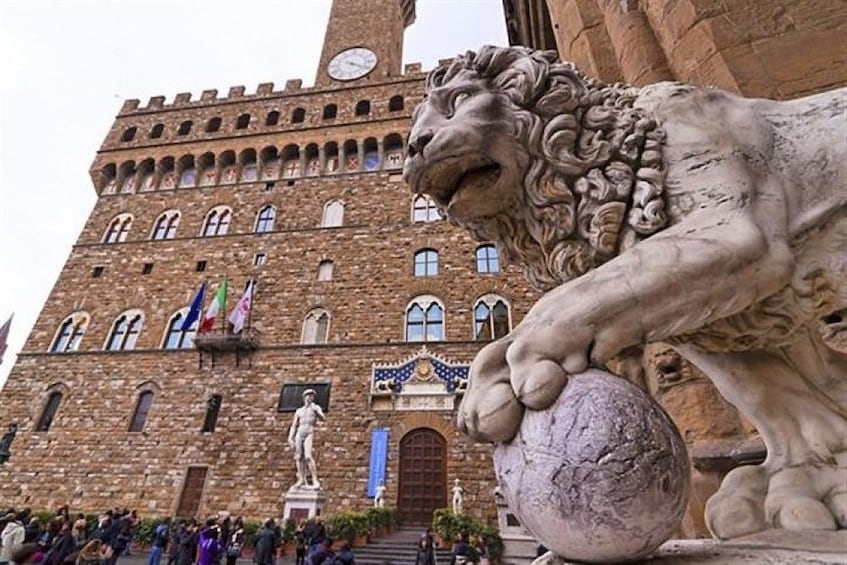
238, 93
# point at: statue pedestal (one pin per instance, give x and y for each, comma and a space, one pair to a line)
302, 503
518, 545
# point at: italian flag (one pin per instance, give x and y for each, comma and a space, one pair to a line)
214, 309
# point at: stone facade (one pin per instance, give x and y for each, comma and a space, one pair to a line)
88, 458
770, 49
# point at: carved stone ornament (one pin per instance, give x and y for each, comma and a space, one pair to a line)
670, 213
424, 381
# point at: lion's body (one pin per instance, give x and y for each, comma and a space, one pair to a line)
674, 213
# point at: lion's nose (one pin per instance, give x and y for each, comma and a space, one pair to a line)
419, 141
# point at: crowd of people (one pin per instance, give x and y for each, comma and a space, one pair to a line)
62, 540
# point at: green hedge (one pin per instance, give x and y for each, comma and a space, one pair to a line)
449, 525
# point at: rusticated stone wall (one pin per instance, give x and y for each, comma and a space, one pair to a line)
769, 48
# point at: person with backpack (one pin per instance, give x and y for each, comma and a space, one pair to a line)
12, 536
160, 540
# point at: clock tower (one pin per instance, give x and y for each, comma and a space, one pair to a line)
364, 41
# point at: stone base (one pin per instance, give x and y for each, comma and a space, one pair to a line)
518, 549
302, 503
775, 547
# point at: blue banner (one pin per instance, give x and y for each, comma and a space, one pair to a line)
379, 454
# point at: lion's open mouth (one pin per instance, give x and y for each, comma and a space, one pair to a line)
477, 179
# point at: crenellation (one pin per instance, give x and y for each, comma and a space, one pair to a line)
236, 91
210, 94
293, 85
265, 89
182, 98
412, 68
129, 105
155, 103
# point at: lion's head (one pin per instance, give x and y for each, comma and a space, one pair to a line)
560, 170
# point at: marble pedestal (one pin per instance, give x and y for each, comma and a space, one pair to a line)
302, 503
519, 546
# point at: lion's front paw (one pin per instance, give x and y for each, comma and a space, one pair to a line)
490, 411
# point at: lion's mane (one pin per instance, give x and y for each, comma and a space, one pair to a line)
595, 184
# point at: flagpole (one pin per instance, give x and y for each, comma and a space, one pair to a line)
223, 308
252, 296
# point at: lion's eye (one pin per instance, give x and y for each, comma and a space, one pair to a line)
459, 99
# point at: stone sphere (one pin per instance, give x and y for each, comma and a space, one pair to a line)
601, 476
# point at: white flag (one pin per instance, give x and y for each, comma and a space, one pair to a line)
242, 309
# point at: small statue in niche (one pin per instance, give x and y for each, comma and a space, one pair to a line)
379, 496
458, 496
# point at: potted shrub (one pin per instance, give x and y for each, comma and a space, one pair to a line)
361, 527
341, 527
288, 528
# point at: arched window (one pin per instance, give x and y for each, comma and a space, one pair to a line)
188, 177
142, 408
333, 214
395, 104
330, 111
166, 225
176, 337
213, 125
118, 229
213, 408
129, 134
424, 209
156, 131
491, 318
487, 259
426, 263
70, 333
298, 115
217, 221
325, 269
425, 319
49, 412
265, 219
184, 127
363, 107
243, 121
316, 326
125, 331
272, 118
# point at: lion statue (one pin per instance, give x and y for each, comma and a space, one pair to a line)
672, 213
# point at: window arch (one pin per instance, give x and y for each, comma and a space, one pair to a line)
425, 319
165, 227
217, 221
175, 336
125, 331
395, 104
265, 219
325, 270
487, 259
243, 121
213, 124
213, 408
426, 263
316, 327
142, 409
156, 131
185, 127
70, 333
298, 116
333, 215
118, 229
424, 209
491, 318
363, 107
272, 118
330, 112
129, 134
51, 407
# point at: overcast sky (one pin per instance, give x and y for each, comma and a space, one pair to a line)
67, 66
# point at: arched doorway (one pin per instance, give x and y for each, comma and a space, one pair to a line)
423, 476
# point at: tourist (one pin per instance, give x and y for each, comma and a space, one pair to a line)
80, 529
345, 556
187, 541
28, 554
463, 552
12, 537
235, 543
323, 555
173, 542
318, 534
210, 548
265, 544
426, 549
300, 543
160, 540
90, 553
62, 546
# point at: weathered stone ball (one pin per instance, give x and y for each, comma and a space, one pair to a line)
601, 476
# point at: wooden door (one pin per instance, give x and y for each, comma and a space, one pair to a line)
192, 492
423, 476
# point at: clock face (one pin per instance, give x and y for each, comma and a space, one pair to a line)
352, 63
